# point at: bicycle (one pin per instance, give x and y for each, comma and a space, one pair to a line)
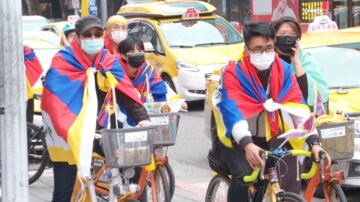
261, 189
167, 131
330, 182
122, 157
38, 156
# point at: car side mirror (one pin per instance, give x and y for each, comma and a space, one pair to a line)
149, 47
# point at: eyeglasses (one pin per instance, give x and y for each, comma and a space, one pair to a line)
260, 51
97, 34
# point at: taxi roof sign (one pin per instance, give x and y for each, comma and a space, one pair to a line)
73, 18
191, 13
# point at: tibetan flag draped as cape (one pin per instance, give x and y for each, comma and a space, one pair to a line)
108, 44
241, 96
33, 70
69, 103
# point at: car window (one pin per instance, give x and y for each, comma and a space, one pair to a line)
148, 34
134, 29
342, 72
199, 32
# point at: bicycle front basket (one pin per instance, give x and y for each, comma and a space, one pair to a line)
166, 128
130, 147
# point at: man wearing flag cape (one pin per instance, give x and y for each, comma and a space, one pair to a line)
80, 78
258, 99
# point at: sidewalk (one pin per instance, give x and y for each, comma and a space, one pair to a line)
191, 183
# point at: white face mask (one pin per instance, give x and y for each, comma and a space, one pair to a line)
118, 36
262, 62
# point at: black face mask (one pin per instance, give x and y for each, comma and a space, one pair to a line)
285, 43
136, 60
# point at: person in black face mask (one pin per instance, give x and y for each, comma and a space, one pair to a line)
306, 69
132, 59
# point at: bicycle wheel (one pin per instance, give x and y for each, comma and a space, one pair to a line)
336, 194
289, 197
217, 189
38, 155
171, 178
161, 186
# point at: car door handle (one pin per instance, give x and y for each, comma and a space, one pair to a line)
158, 63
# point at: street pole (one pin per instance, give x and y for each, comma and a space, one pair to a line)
13, 138
103, 11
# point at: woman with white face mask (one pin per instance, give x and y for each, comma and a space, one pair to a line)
116, 31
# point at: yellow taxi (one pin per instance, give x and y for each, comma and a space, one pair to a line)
55, 27
338, 38
184, 41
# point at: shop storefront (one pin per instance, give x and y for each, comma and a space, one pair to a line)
346, 13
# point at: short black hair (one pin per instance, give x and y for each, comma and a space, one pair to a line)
254, 29
129, 44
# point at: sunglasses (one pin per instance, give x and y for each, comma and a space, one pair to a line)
97, 34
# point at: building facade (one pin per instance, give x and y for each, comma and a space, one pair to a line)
346, 13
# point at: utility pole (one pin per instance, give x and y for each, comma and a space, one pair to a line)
103, 11
13, 138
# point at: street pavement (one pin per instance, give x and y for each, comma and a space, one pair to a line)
188, 187
187, 158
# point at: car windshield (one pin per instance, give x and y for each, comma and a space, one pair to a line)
341, 66
200, 32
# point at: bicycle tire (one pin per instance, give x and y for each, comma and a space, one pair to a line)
289, 197
340, 195
36, 139
160, 176
161, 186
213, 188
171, 178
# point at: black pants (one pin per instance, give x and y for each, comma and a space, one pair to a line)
30, 110
64, 180
239, 167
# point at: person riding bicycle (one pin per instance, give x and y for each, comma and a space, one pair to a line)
287, 45
144, 77
258, 99
69, 34
76, 85
33, 72
116, 31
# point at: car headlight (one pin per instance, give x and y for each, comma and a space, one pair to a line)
186, 66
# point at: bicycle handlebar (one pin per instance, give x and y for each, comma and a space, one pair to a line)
252, 177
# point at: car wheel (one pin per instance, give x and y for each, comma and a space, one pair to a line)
169, 81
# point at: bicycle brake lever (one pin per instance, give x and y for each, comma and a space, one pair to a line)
262, 169
322, 157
